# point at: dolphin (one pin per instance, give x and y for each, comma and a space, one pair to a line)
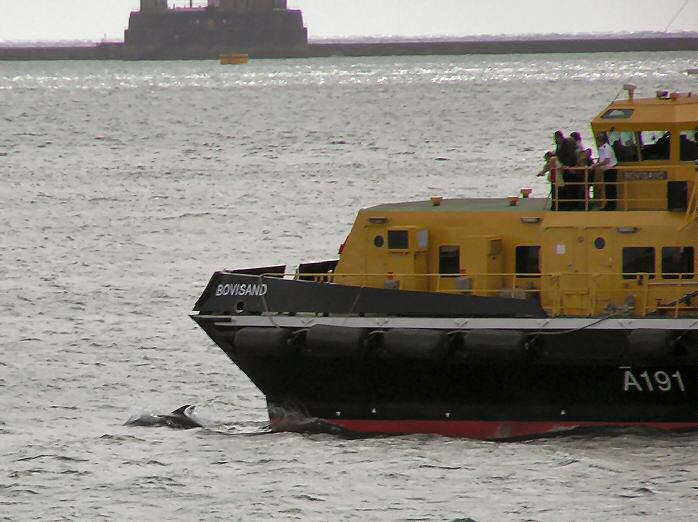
182, 418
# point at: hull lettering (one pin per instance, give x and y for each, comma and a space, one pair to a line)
648, 381
241, 289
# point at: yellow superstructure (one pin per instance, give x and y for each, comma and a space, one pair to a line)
638, 260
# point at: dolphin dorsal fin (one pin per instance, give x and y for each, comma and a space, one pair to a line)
182, 410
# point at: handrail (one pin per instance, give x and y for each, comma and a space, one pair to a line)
561, 199
560, 293
669, 278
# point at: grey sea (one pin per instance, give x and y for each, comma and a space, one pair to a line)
124, 186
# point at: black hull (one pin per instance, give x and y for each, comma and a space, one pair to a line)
488, 378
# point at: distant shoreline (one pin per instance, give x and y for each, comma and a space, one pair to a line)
378, 47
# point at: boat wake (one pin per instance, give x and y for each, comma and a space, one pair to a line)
294, 420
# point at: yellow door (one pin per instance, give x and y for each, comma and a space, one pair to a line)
565, 280
604, 281
376, 259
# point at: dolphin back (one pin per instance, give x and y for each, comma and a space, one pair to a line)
182, 418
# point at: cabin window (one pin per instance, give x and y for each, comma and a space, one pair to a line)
655, 145
398, 239
527, 261
624, 145
689, 145
677, 262
617, 114
638, 260
449, 261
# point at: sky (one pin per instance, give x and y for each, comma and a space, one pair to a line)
95, 20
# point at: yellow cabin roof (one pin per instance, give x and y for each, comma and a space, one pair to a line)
661, 112
464, 205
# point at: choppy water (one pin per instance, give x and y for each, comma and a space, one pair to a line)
125, 185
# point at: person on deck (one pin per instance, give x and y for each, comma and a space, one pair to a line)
553, 168
565, 149
566, 153
606, 164
580, 176
584, 161
579, 146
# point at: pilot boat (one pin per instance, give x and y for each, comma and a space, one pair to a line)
497, 318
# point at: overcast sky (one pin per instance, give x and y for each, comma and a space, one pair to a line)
52, 20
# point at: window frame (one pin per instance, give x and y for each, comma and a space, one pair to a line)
692, 141
524, 270
643, 146
391, 239
618, 114
443, 260
627, 274
621, 151
678, 274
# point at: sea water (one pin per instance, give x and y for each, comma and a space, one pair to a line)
124, 186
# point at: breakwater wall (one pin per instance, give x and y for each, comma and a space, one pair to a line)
464, 47
115, 51
101, 51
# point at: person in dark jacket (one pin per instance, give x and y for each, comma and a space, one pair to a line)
565, 149
566, 153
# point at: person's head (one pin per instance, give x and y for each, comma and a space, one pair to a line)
601, 139
576, 137
558, 136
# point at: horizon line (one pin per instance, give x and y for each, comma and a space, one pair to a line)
414, 38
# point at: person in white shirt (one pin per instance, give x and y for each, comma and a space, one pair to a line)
607, 165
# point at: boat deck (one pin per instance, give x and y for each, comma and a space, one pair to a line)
467, 205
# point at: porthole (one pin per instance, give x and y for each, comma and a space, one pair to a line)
239, 307
378, 241
599, 243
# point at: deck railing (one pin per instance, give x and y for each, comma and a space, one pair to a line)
559, 294
590, 192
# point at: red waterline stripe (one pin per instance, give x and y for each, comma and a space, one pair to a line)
492, 430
